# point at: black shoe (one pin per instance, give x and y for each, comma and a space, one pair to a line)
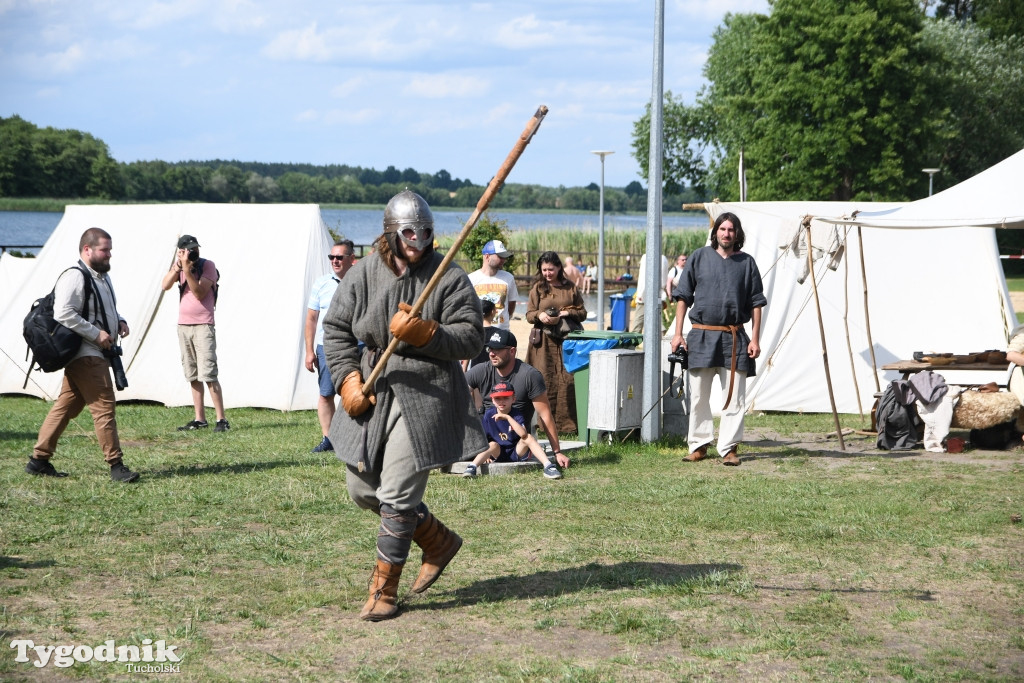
42, 468
324, 446
121, 473
193, 425
222, 426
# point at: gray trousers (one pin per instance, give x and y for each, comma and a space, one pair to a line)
394, 490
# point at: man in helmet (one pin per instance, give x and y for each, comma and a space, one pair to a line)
418, 415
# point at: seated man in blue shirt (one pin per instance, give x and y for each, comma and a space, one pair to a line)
507, 436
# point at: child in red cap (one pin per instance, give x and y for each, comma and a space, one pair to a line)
508, 438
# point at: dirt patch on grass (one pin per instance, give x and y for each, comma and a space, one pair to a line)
764, 443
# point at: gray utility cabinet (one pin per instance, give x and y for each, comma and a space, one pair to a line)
616, 389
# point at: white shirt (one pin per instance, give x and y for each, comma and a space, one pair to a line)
320, 300
499, 290
642, 278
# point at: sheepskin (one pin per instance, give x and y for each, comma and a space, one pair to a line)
976, 410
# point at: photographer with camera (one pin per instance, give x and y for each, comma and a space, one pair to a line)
197, 281
87, 375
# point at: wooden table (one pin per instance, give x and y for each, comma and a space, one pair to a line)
910, 367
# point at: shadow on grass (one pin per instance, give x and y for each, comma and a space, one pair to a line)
558, 582
203, 470
18, 436
603, 457
7, 561
911, 593
791, 451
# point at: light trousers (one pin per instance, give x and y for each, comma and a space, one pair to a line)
702, 423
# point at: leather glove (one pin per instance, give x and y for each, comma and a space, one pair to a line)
352, 399
411, 329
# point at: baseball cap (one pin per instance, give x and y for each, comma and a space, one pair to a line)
502, 389
496, 247
500, 338
187, 242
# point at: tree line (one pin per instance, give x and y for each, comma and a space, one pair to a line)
849, 100
71, 164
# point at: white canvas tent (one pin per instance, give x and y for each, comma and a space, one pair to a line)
991, 199
929, 289
268, 257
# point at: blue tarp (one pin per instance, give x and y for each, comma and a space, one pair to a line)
576, 350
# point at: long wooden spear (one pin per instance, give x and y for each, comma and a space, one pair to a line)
485, 200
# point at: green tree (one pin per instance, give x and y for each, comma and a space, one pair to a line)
487, 228
227, 184
297, 187
684, 142
145, 180
186, 183
828, 100
17, 167
1001, 18
981, 92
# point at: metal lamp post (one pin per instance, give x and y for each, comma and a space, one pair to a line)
931, 172
600, 245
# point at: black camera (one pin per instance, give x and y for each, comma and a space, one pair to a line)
193, 254
679, 356
114, 354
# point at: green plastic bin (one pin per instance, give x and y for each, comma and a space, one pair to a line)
576, 351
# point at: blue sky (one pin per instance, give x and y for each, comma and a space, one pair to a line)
372, 83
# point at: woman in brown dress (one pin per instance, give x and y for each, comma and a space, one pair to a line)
552, 298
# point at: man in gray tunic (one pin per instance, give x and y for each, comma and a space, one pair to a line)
419, 415
721, 287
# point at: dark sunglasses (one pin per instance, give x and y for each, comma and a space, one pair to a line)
333, 257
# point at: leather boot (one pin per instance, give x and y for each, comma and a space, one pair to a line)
383, 602
439, 544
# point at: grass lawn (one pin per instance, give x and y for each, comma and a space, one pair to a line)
243, 551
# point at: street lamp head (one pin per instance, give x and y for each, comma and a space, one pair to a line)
931, 170
602, 152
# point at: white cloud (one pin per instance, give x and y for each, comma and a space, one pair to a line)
446, 85
528, 32
385, 39
65, 61
348, 87
155, 14
499, 113
336, 117
302, 44
715, 11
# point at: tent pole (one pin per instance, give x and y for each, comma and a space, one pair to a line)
867, 317
846, 324
821, 330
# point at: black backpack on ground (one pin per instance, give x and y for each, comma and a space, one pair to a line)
51, 344
897, 423
200, 264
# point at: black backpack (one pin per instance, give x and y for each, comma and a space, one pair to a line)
51, 344
199, 269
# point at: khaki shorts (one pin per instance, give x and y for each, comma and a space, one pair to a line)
198, 352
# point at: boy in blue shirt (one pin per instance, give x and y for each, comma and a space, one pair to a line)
508, 439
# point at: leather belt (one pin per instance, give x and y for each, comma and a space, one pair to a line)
732, 369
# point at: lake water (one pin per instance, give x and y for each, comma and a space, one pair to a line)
23, 228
